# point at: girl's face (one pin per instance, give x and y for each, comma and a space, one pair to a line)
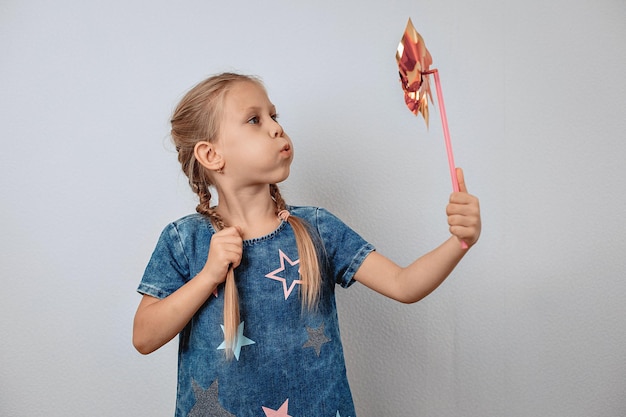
254, 146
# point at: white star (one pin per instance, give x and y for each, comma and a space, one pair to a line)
240, 341
272, 275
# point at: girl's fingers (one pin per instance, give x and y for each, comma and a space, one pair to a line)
461, 180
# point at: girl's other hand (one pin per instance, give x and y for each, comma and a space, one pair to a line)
463, 212
226, 249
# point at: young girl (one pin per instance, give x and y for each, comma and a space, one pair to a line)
248, 284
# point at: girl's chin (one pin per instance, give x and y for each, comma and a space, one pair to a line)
283, 177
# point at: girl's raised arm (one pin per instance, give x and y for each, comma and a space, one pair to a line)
424, 275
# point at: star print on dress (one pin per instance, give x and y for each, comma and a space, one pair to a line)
338, 415
316, 339
240, 341
281, 412
272, 275
207, 403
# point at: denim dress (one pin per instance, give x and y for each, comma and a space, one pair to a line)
288, 361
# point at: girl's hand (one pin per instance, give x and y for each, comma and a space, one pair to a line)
158, 321
226, 249
463, 213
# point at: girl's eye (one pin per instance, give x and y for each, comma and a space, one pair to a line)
255, 120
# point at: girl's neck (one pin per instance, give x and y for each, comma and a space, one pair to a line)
254, 211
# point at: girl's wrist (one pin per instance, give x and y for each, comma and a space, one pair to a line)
208, 281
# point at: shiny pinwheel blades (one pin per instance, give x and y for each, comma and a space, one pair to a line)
414, 63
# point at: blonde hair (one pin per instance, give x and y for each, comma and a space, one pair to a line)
196, 118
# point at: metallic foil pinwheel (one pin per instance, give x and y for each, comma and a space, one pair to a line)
414, 63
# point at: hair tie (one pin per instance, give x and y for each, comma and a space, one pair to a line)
283, 215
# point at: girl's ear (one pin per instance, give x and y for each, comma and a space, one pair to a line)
206, 153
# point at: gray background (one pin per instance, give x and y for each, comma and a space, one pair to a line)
532, 323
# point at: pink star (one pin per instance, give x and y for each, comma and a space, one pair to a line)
272, 275
281, 412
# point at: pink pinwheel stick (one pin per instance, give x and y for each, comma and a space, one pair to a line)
446, 131
446, 135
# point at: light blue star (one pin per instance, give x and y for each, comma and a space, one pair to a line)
240, 341
338, 415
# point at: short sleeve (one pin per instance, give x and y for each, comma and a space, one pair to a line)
345, 249
168, 268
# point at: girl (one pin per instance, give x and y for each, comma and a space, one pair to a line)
248, 284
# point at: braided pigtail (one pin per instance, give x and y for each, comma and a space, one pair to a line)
309, 262
231, 296
231, 312
204, 195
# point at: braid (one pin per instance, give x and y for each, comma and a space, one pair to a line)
204, 195
309, 262
205, 207
231, 297
277, 197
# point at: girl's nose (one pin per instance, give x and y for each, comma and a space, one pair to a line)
276, 130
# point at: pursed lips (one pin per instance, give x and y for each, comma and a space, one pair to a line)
286, 148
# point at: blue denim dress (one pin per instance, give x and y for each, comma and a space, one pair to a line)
287, 361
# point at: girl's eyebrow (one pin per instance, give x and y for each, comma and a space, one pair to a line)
260, 108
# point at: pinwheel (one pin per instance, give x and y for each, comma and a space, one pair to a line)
414, 63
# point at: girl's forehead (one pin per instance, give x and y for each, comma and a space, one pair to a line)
245, 94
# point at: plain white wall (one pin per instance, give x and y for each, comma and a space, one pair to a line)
532, 323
